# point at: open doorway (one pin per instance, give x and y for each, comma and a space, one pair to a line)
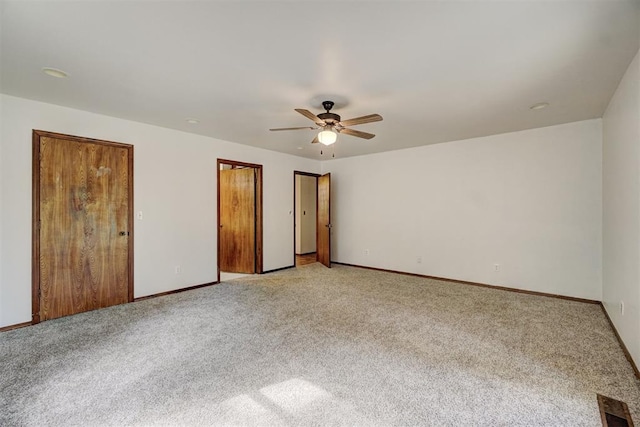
306, 208
312, 219
239, 219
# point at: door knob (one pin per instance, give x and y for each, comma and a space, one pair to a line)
124, 233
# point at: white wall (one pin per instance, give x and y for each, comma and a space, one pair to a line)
621, 213
305, 214
174, 186
529, 201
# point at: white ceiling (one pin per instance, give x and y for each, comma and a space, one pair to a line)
436, 71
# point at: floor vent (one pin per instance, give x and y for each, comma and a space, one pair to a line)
614, 413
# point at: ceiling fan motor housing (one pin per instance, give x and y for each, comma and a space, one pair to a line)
329, 118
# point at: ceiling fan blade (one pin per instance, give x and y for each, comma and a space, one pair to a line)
357, 133
309, 115
300, 128
360, 120
315, 140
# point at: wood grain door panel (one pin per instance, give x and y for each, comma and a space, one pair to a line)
84, 226
238, 220
323, 240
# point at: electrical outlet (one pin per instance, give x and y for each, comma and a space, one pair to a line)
496, 267
178, 269
366, 251
621, 308
419, 260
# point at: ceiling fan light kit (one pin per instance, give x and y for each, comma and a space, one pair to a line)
330, 124
327, 137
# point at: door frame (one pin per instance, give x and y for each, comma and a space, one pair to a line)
35, 211
258, 211
316, 176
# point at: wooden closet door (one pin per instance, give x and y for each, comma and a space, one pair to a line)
84, 226
238, 220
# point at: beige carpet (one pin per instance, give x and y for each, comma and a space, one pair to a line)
313, 346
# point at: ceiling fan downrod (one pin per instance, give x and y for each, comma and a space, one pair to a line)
327, 105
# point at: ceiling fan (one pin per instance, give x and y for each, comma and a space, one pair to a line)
331, 124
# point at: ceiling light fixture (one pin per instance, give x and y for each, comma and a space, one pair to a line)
54, 72
193, 121
327, 136
539, 106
